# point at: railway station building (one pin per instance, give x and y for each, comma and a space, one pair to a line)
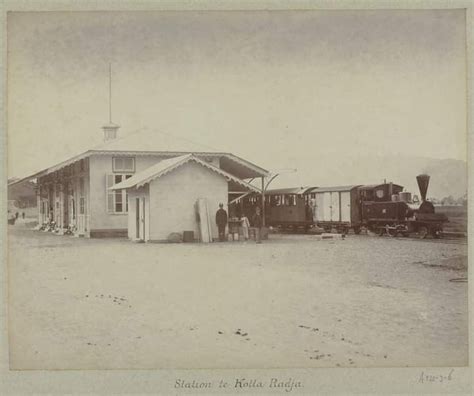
78, 195
163, 198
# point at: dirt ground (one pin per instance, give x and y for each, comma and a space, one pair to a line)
292, 301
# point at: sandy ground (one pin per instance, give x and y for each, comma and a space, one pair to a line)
290, 302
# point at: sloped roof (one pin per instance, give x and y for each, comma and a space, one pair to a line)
166, 166
152, 142
146, 139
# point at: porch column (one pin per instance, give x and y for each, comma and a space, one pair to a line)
39, 204
263, 201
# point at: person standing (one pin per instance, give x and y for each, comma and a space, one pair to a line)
221, 221
244, 221
257, 222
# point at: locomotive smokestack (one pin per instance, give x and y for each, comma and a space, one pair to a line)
423, 181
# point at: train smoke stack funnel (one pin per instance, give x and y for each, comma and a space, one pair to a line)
423, 181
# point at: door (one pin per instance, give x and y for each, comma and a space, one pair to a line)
140, 218
346, 206
81, 216
335, 215
137, 218
327, 207
143, 220
319, 209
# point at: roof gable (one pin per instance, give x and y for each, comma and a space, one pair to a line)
166, 166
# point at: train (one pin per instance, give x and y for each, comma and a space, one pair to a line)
379, 208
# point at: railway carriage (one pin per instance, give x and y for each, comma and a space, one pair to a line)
288, 208
336, 207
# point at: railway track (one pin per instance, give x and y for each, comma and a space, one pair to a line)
453, 240
448, 241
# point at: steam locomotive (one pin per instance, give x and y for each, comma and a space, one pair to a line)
381, 208
403, 216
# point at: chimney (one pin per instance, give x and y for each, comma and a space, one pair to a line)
423, 181
110, 131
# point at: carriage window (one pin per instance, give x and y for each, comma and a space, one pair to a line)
379, 193
289, 200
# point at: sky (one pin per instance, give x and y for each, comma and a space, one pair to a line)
283, 89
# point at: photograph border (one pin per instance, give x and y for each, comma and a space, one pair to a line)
314, 380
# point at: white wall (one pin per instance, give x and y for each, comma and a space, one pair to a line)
100, 166
172, 199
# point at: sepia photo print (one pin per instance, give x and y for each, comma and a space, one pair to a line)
237, 189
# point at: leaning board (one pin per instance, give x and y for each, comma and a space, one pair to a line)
204, 221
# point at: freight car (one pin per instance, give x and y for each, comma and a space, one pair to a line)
335, 207
340, 207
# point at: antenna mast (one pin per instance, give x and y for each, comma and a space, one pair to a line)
110, 92
110, 130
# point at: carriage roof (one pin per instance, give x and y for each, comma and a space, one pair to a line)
288, 191
332, 189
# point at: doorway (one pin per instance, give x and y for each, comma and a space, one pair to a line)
140, 218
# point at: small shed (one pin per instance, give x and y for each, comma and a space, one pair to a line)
162, 199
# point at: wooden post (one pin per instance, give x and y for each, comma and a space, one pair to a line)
263, 201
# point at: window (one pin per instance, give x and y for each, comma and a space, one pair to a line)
123, 164
292, 200
82, 205
117, 200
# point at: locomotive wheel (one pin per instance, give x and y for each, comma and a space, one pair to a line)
357, 230
422, 232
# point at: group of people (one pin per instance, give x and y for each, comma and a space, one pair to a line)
15, 216
257, 223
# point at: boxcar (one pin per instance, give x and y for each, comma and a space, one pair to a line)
336, 207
